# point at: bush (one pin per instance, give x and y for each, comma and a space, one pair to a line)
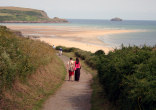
82, 54
99, 52
91, 59
128, 77
65, 49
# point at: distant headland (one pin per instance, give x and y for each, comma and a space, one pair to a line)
116, 19
26, 15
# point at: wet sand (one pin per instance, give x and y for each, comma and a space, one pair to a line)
70, 36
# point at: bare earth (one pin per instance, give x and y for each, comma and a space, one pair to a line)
72, 95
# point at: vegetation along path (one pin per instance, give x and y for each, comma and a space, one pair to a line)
72, 95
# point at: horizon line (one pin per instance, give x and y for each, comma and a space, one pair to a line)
109, 19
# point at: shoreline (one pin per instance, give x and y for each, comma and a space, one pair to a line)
70, 36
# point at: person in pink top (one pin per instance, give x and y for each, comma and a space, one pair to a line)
77, 69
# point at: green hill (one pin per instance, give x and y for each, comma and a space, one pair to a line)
29, 71
16, 14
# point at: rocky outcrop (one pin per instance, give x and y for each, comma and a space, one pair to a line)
56, 19
116, 19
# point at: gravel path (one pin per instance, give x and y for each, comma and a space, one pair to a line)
72, 95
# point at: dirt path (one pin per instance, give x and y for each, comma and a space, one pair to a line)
72, 95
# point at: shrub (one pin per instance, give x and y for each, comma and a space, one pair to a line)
128, 77
91, 59
65, 49
99, 52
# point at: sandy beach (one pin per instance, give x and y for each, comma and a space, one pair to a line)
70, 36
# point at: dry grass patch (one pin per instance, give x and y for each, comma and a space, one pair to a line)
31, 94
29, 71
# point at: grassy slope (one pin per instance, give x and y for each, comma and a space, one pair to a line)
20, 9
30, 71
25, 14
21, 14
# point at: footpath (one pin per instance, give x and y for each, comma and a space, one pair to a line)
72, 95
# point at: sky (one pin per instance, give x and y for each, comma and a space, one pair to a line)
91, 9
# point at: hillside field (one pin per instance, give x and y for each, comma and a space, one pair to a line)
30, 71
17, 14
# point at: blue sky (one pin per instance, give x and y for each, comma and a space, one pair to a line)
91, 9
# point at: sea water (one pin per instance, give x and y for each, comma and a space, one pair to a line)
147, 36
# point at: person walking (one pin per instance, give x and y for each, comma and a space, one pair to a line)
70, 69
60, 51
77, 69
53, 46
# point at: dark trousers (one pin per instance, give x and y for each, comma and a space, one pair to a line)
77, 74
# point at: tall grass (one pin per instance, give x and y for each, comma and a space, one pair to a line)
30, 71
19, 57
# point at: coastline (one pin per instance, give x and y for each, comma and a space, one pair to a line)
70, 36
63, 21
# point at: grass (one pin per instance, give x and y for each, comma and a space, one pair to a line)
18, 14
31, 95
60, 72
22, 14
5, 14
34, 69
99, 100
18, 8
39, 103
